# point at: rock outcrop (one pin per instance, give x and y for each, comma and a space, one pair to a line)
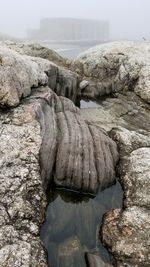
126, 232
22, 197
43, 139
117, 75
19, 74
75, 154
115, 67
35, 50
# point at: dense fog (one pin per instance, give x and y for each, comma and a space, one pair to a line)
129, 19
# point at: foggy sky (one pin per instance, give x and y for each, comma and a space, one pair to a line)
129, 19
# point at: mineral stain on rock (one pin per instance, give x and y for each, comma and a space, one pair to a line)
71, 230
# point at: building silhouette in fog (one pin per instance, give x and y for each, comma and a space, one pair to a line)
69, 29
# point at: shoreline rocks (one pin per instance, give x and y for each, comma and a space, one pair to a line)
27, 93
115, 67
85, 159
23, 200
126, 232
20, 74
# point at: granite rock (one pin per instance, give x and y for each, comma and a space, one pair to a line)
20, 74
22, 196
115, 67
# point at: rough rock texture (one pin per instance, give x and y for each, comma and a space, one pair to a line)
116, 67
22, 199
122, 71
74, 154
20, 74
35, 50
127, 110
42, 133
127, 232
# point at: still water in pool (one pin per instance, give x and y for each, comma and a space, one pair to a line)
72, 226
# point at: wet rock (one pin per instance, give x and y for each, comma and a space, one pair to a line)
127, 110
70, 253
96, 261
116, 67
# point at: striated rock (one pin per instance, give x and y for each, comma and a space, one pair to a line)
73, 151
116, 67
20, 74
75, 154
23, 200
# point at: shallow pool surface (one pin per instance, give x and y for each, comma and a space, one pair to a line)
88, 104
72, 226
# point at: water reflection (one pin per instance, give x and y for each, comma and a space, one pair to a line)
88, 104
72, 225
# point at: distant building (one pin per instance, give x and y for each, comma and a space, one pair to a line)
69, 29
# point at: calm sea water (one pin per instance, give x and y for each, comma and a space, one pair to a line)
67, 50
72, 224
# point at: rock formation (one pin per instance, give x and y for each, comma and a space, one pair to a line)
19, 74
126, 232
35, 50
22, 198
45, 138
121, 71
115, 67
42, 133
75, 154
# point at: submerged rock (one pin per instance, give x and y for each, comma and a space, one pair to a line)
96, 261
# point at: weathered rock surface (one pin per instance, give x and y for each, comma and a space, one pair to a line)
22, 198
74, 154
122, 70
116, 67
73, 151
19, 74
127, 110
127, 232
35, 50
42, 133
